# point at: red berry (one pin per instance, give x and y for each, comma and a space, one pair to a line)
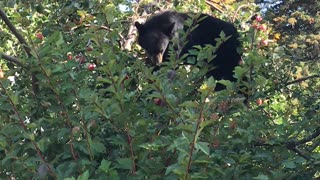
78, 22
89, 48
259, 102
91, 67
69, 56
258, 18
157, 101
216, 143
40, 36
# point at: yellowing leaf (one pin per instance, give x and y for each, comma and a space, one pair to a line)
292, 21
277, 36
279, 19
293, 46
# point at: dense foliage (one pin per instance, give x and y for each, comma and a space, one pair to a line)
79, 101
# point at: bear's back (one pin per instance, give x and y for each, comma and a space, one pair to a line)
164, 19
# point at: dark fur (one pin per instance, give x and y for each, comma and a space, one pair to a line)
155, 35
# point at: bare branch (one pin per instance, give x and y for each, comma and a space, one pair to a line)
132, 33
237, 12
214, 6
309, 138
25, 46
302, 79
93, 25
130, 38
11, 59
13, 29
298, 151
292, 145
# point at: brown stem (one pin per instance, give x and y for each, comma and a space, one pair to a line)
199, 121
83, 125
129, 138
72, 150
166, 101
23, 125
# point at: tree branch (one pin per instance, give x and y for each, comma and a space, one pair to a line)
93, 25
214, 6
309, 138
298, 151
5, 18
12, 59
25, 46
302, 79
291, 145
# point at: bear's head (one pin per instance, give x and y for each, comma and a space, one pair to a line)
155, 40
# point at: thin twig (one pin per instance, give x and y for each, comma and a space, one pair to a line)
92, 25
214, 6
24, 127
237, 11
194, 141
133, 165
132, 33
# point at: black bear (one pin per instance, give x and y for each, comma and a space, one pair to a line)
155, 34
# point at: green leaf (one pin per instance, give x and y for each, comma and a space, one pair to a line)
105, 165
289, 164
203, 146
227, 83
176, 168
97, 146
3, 142
261, 177
124, 163
190, 104
84, 176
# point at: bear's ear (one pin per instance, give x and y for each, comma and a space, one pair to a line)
140, 27
169, 29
